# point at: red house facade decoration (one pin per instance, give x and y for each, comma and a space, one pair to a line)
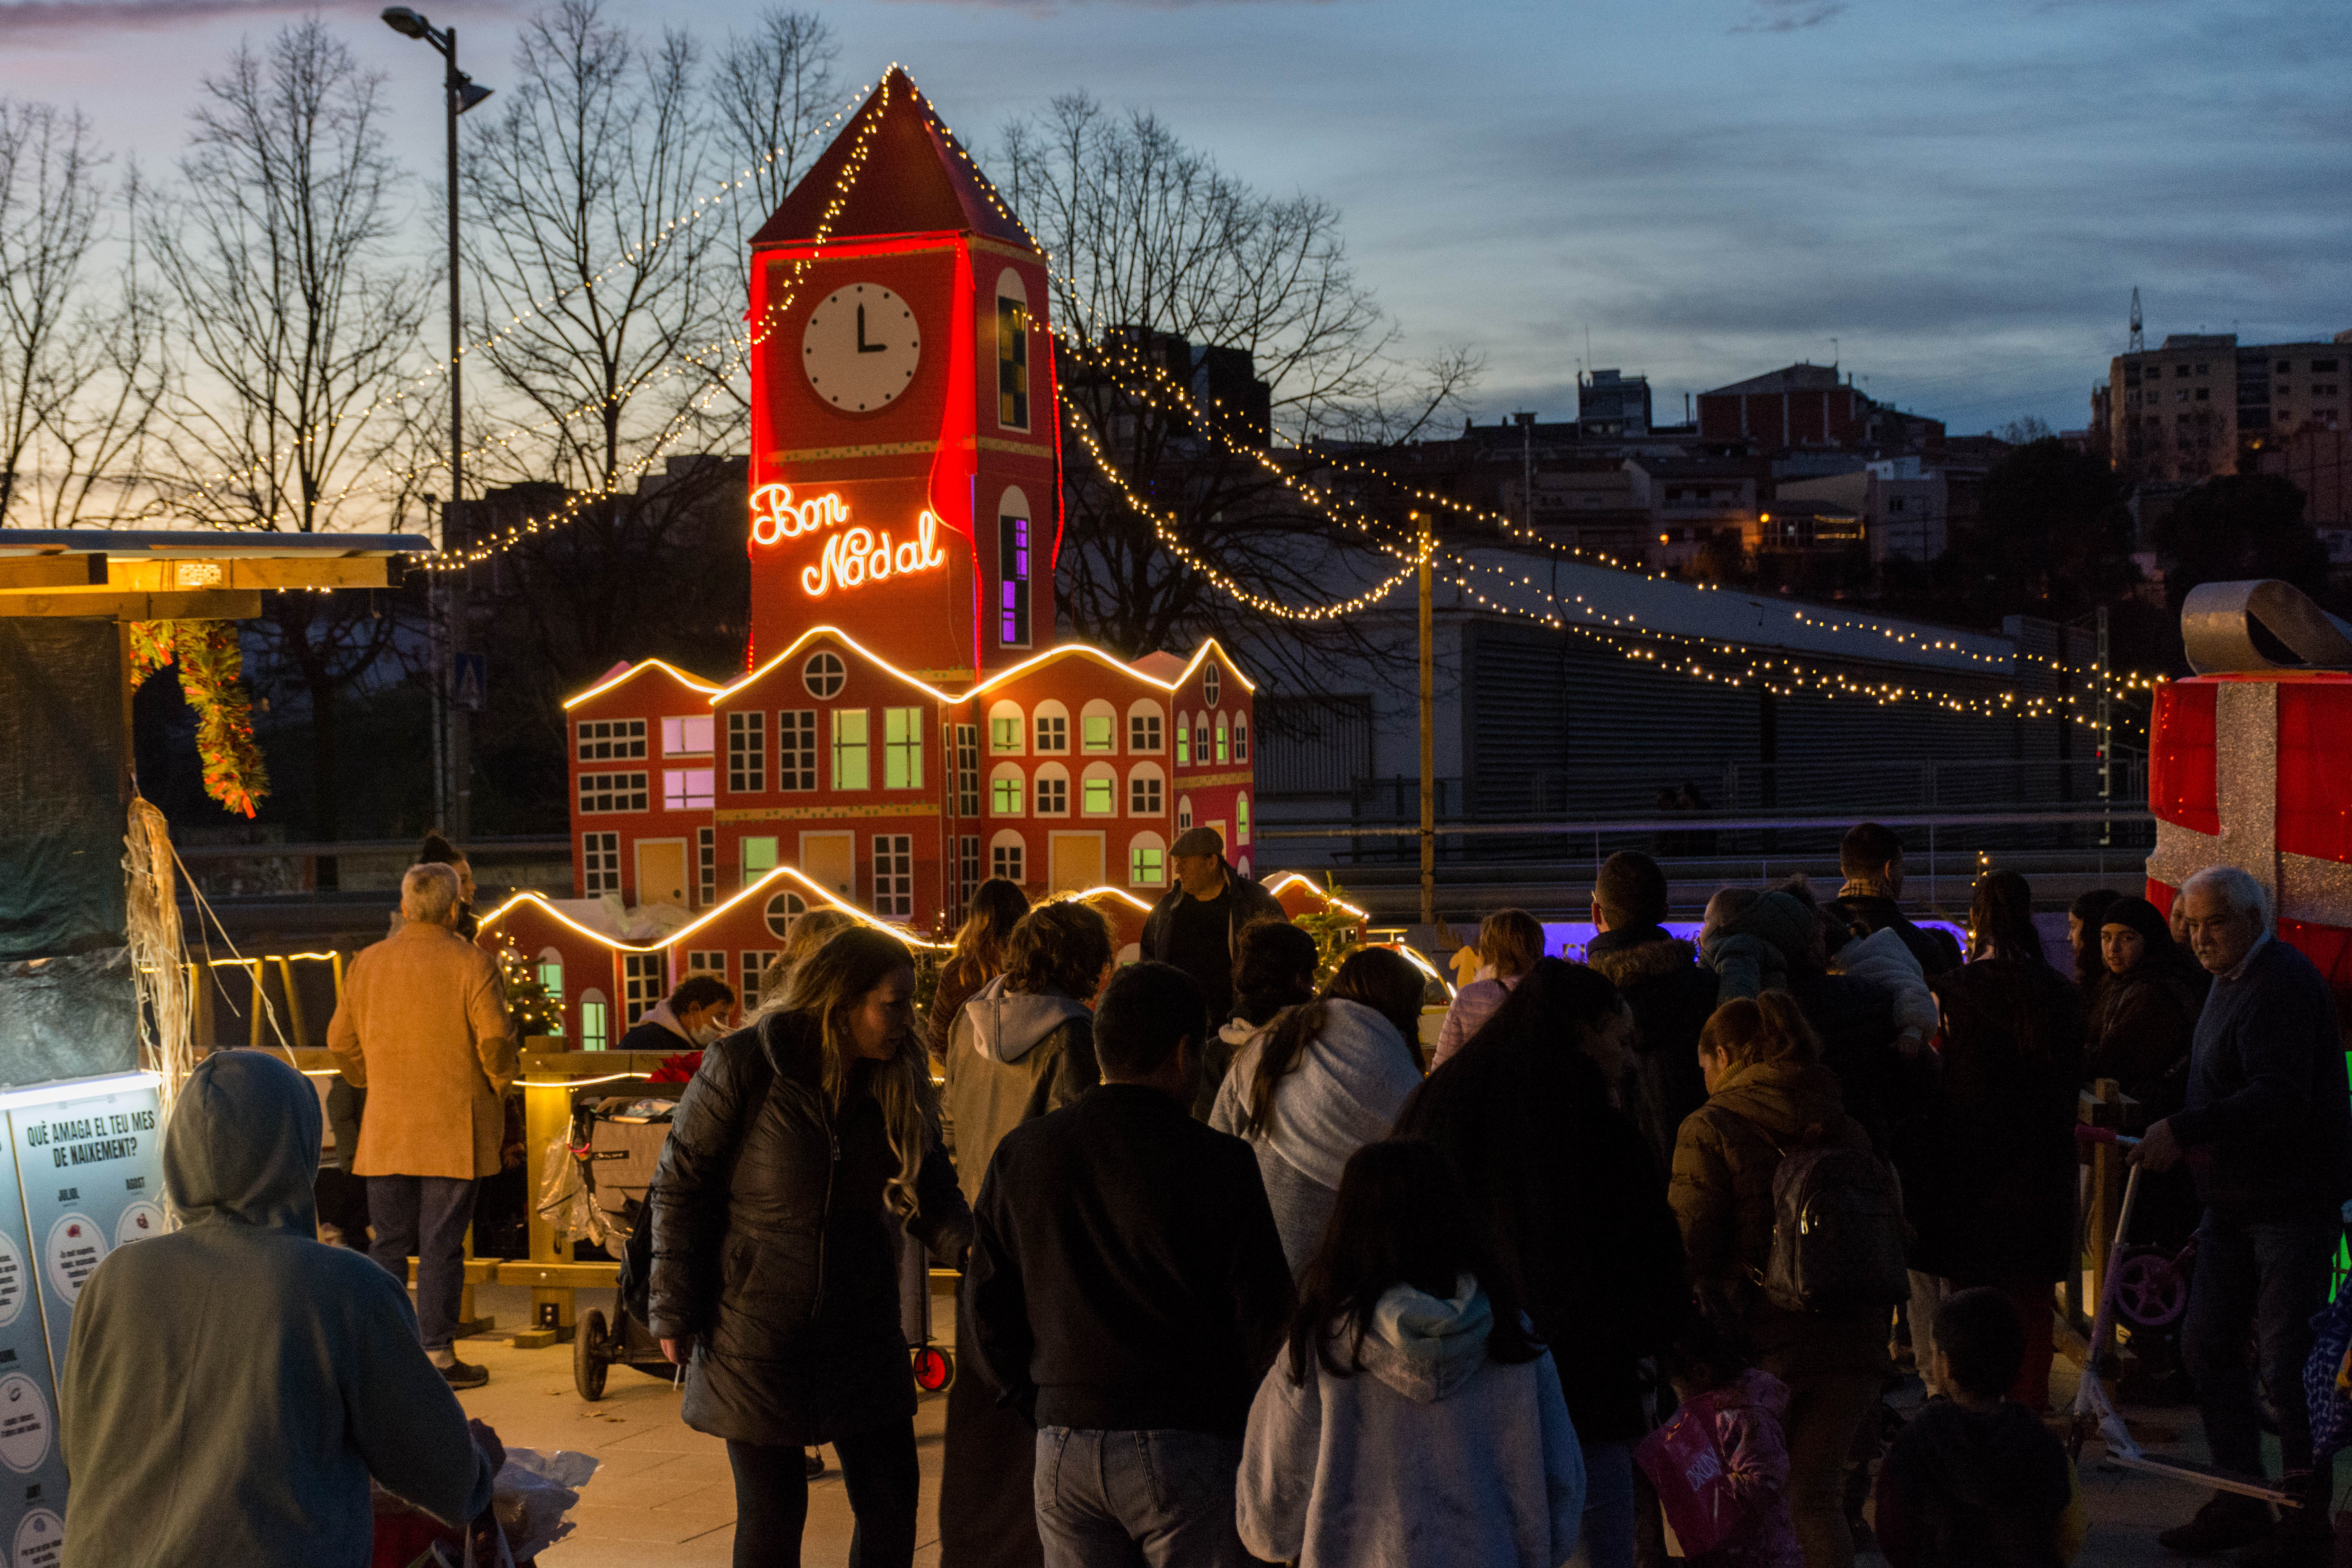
905, 727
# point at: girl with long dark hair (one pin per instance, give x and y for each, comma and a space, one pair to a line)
997, 906
799, 1149
1325, 1079
1413, 1417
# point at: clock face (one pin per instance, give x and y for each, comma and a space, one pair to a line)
861, 347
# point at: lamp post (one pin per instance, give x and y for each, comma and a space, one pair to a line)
459, 94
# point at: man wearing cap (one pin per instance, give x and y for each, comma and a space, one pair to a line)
1198, 924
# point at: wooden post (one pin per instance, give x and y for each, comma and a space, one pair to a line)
1428, 732
2101, 1105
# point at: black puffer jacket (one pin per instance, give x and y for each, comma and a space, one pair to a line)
774, 1247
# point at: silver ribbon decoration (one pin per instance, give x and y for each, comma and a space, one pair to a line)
2242, 627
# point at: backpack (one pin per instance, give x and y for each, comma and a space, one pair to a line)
1839, 1239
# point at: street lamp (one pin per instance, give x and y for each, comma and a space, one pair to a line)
459, 93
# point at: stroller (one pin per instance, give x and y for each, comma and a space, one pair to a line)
615, 1144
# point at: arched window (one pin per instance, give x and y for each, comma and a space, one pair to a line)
1050, 790
1015, 562
1183, 740
783, 910
1225, 748
1052, 728
1145, 719
595, 1021
1005, 731
550, 972
1209, 684
1012, 355
1241, 737
1147, 861
1008, 855
1099, 728
1240, 818
1146, 791
1183, 813
1008, 789
1098, 790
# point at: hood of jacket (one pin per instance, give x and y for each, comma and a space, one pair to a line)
659, 1013
1344, 1092
1005, 1026
1795, 1102
2000, 1461
1638, 953
243, 1144
1882, 956
1423, 1347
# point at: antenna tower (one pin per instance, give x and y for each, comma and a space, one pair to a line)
2138, 341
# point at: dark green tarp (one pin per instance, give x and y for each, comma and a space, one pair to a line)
64, 787
68, 1017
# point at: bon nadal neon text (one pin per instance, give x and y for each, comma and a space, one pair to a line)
851, 559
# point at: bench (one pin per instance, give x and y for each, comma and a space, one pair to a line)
554, 1288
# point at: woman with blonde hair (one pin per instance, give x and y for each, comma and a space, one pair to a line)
808, 933
800, 1148
1509, 942
1768, 1094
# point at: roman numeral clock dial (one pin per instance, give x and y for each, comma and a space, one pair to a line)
861, 348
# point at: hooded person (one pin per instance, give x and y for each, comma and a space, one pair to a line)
1322, 1081
231, 1386
1274, 969
1023, 1046
1414, 1419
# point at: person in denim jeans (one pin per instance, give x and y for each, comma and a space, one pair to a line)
1128, 1290
2265, 1131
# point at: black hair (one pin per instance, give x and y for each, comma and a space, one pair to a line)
2091, 909
1142, 1014
1401, 1217
1702, 1346
700, 991
1385, 980
2001, 916
438, 851
1274, 968
1866, 849
1630, 888
1979, 1334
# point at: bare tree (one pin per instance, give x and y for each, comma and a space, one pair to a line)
1168, 269
295, 317
773, 91
79, 368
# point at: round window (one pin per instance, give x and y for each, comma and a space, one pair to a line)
823, 674
783, 910
1209, 685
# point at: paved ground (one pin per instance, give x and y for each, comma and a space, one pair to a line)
664, 1495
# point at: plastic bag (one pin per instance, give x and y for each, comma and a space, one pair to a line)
569, 1207
1684, 1465
534, 1491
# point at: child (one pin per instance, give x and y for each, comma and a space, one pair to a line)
1977, 1482
1745, 1406
1880, 958
1413, 1416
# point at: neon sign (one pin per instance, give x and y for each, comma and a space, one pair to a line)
850, 560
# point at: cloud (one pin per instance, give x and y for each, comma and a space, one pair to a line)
34, 18
1790, 15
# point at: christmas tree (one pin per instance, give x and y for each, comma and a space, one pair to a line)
529, 1003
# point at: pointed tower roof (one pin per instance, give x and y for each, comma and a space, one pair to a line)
916, 178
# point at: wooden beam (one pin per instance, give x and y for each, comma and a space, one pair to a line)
51, 572
307, 572
235, 604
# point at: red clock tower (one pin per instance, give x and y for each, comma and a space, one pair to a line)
905, 485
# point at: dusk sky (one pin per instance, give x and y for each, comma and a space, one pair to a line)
1962, 195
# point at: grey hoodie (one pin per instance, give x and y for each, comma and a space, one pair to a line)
1005, 1026
230, 1387
1013, 1056
1430, 1453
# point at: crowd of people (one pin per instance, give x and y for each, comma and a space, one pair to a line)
1244, 1278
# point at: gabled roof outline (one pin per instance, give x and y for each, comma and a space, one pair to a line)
721, 694
797, 880
639, 668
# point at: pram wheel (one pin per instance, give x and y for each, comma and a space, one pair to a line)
589, 1358
934, 1368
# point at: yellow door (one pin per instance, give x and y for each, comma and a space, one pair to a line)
830, 860
1077, 861
661, 871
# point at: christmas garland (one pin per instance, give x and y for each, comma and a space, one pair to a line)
212, 664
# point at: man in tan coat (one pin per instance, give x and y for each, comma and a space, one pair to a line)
423, 1027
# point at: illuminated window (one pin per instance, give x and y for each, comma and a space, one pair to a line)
686, 789
551, 972
1143, 792
967, 747
823, 675
1004, 858
1006, 788
747, 753
1147, 861
759, 856
1240, 819
783, 910
641, 985
1241, 737
796, 749
1053, 792
1099, 728
1223, 737
612, 792
688, 736
595, 1031
1012, 565
1004, 728
894, 875
611, 740
1183, 740
849, 769
1012, 353
600, 864
1143, 728
1098, 790
902, 748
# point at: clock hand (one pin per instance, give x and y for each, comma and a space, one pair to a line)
863, 346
